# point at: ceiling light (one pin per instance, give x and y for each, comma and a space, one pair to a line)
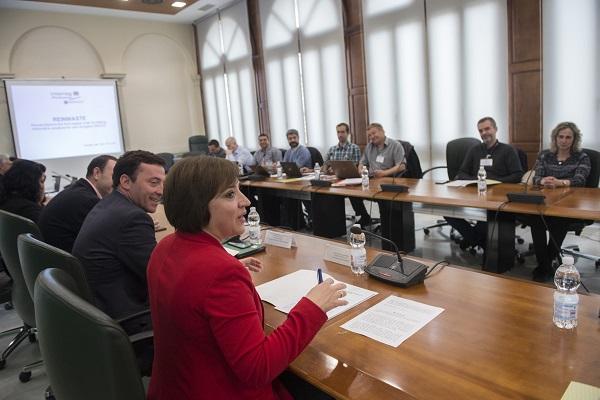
178, 4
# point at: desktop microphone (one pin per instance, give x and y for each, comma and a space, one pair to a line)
524, 196
391, 187
394, 270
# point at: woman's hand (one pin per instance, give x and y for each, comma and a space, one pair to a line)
253, 264
328, 295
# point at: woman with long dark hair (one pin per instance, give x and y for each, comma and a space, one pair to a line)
22, 189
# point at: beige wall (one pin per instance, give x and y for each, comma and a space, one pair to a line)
160, 95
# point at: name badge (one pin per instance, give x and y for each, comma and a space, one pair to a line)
379, 158
486, 162
337, 254
279, 239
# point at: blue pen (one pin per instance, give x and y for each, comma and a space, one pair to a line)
320, 275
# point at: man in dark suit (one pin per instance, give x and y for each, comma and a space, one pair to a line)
62, 218
117, 236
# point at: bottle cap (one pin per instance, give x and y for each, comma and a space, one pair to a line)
568, 260
252, 209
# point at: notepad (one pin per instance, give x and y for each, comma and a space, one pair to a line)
470, 182
581, 391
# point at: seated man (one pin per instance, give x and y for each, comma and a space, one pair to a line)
266, 155
501, 163
297, 152
345, 150
117, 236
239, 155
62, 218
215, 150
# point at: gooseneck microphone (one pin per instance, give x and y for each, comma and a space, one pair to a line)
525, 196
399, 271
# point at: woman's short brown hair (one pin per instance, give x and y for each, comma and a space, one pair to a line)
190, 185
576, 146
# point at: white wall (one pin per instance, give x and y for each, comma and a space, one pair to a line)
160, 95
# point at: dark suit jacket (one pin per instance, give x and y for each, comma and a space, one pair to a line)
114, 245
62, 218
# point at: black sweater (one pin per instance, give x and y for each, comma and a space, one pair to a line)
505, 167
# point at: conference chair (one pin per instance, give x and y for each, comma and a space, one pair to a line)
198, 144
88, 355
315, 156
591, 182
37, 256
11, 226
169, 159
456, 150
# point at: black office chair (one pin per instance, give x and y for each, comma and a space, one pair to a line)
456, 150
11, 226
169, 159
592, 182
88, 355
198, 144
282, 153
315, 156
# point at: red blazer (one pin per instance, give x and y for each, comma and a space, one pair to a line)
209, 341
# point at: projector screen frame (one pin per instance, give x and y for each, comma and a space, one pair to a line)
113, 83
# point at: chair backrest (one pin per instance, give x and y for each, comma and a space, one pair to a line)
594, 176
198, 144
456, 150
283, 152
11, 226
87, 355
36, 256
169, 160
315, 155
413, 164
522, 158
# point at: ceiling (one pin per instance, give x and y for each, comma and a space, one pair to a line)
136, 9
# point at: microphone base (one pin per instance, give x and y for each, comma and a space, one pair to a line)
320, 183
256, 177
527, 198
388, 187
386, 267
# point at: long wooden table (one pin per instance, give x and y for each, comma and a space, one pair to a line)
495, 339
329, 218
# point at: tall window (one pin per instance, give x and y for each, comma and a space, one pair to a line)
571, 37
305, 69
227, 75
434, 67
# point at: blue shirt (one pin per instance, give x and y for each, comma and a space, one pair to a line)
300, 155
242, 156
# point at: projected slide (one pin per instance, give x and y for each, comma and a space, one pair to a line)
64, 118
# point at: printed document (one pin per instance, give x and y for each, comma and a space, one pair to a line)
392, 320
285, 292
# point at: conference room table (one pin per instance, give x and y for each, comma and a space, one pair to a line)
494, 340
425, 195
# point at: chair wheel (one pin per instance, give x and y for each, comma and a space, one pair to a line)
426, 231
520, 241
2, 364
25, 376
8, 306
597, 264
32, 338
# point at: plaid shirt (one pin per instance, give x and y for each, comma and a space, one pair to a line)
349, 151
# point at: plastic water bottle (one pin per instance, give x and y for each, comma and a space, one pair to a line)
254, 226
358, 253
365, 178
566, 299
481, 183
279, 170
317, 171
240, 169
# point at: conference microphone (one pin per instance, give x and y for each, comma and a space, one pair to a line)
524, 196
392, 187
393, 269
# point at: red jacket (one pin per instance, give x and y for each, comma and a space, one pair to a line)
209, 341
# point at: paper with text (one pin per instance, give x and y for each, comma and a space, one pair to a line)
392, 320
285, 292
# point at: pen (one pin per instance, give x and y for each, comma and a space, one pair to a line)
320, 275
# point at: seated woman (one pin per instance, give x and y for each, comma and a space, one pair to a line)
209, 341
563, 165
22, 189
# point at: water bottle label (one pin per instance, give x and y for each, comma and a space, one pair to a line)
359, 257
565, 311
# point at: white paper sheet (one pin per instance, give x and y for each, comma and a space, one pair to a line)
285, 292
348, 182
393, 320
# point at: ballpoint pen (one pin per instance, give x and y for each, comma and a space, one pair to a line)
320, 275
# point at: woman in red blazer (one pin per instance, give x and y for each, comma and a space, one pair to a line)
207, 316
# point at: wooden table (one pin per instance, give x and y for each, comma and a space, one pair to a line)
329, 218
495, 339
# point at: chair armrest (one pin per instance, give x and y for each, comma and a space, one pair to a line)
431, 169
133, 316
141, 337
